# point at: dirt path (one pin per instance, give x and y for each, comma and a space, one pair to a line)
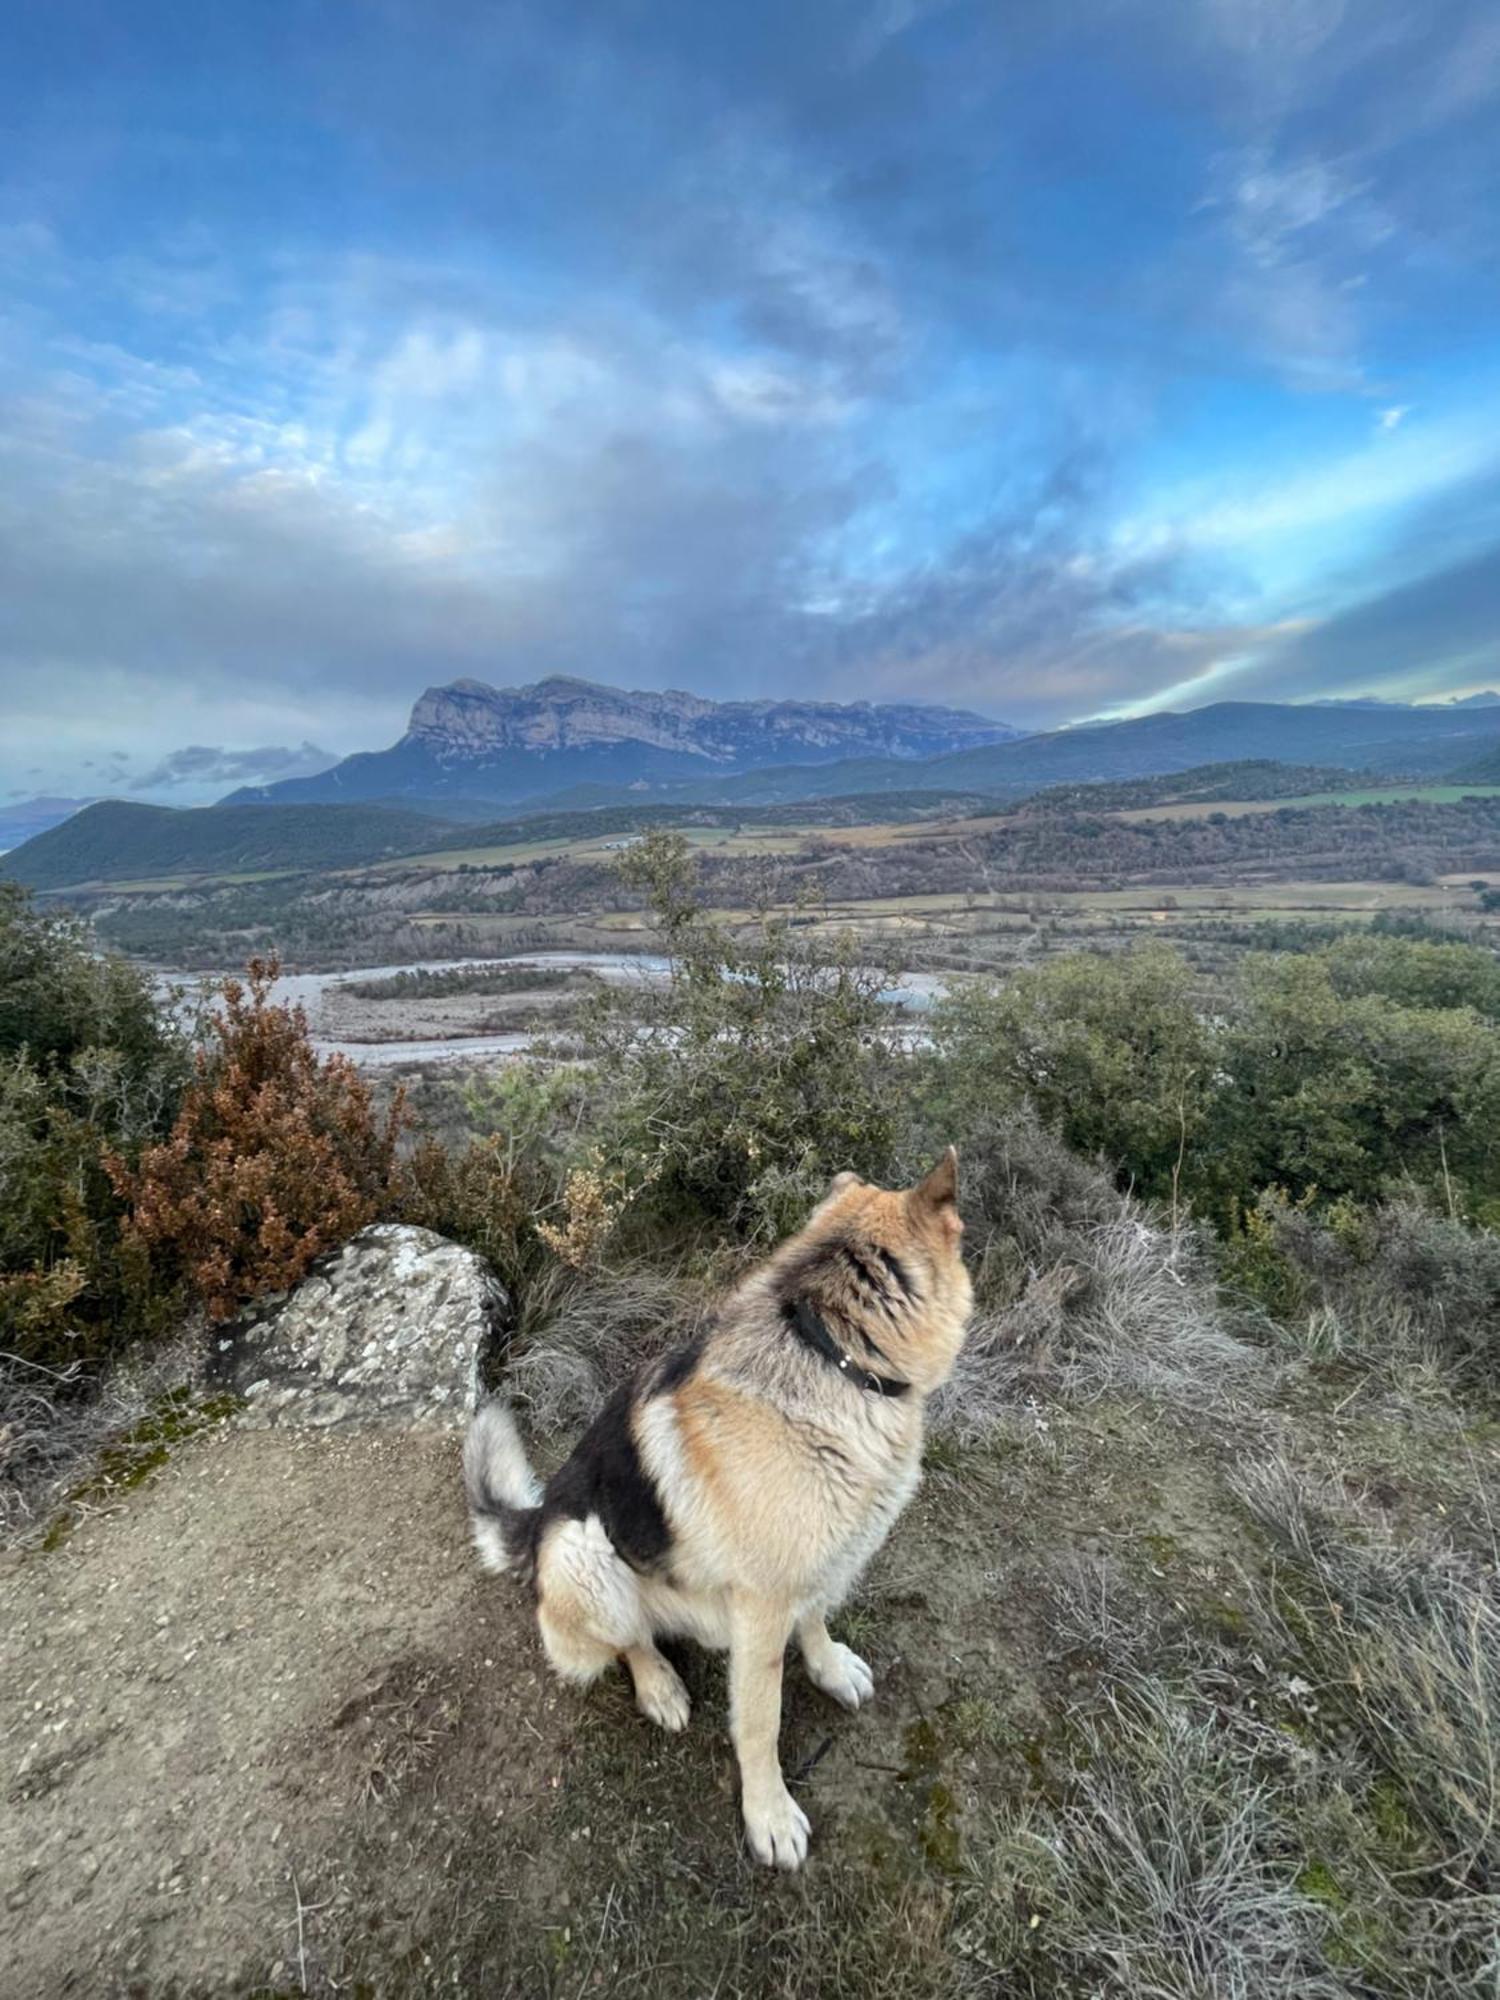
265, 1728
199, 1687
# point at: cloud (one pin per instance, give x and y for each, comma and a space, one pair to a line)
203, 764
856, 349
1424, 636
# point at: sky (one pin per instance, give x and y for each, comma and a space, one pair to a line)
1051, 361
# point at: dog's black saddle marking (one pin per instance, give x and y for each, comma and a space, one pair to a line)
807, 1323
605, 1476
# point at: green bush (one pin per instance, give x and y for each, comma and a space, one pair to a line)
732, 1094
90, 1068
1416, 972
1112, 1052
1341, 1073
1351, 1095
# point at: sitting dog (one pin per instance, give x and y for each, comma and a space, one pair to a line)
733, 1492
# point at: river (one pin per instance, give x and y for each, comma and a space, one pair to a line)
915, 989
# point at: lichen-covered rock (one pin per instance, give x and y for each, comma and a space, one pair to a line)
398, 1327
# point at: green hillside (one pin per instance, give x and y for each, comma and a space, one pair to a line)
119, 840
1483, 770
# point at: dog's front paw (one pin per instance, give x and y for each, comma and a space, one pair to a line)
777, 1830
840, 1672
662, 1699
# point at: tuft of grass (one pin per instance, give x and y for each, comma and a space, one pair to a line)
1404, 1639
69, 1437
1163, 1874
1122, 1304
1397, 1649
588, 1332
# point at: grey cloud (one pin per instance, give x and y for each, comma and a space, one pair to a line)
202, 763
1426, 633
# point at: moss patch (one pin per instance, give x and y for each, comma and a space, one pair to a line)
139, 1454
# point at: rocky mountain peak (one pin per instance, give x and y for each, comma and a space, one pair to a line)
467, 719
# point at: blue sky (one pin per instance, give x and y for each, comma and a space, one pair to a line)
1049, 361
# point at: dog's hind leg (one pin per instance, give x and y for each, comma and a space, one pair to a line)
837, 1670
589, 1608
775, 1824
591, 1612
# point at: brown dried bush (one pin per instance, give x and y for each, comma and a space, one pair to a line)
485, 1195
276, 1155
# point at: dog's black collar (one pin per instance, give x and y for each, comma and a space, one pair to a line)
807, 1323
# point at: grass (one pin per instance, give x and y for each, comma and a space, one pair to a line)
67, 1444
1375, 795
596, 846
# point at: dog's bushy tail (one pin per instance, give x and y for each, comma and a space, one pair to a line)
503, 1492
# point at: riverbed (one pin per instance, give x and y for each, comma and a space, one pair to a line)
915, 990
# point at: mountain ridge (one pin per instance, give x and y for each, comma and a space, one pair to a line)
117, 840
511, 744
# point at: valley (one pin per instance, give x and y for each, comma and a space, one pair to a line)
963, 891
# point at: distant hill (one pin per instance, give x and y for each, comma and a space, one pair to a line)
1254, 778
1229, 750
120, 841
1483, 770
857, 809
1414, 742
23, 818
508, 745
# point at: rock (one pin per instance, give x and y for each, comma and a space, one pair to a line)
398, 1327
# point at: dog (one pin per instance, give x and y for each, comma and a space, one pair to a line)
735, 1489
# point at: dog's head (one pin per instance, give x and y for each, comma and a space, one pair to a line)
912, 1240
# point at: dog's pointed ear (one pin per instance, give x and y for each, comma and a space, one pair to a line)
842, 1181
940, 1189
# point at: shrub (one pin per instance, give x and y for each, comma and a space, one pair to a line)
1112, 1053
89, 1067
1335, 1073
1416, 972
58, 997
736, 1091
274, 1157
1350, 1095
486, 1195
1397, 1282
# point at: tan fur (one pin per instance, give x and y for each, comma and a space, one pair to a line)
779, 1478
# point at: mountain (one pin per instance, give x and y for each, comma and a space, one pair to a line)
507, 745
25, 817
118, 840
571, 744
115, 841
1415, 742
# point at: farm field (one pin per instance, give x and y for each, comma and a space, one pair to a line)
1377, 795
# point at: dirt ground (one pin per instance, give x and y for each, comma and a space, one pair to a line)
265, 1728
